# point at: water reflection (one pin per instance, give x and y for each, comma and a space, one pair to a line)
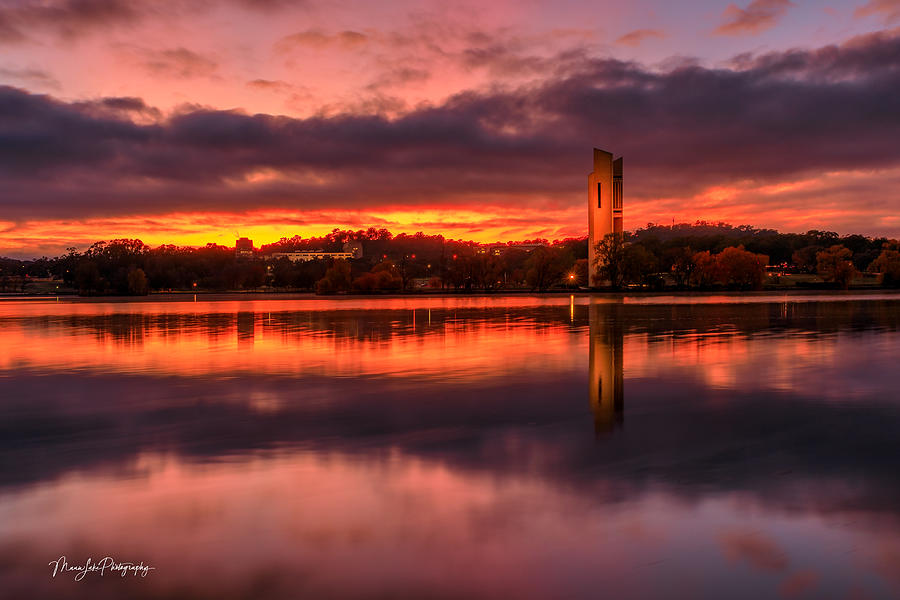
607, 379
388, 449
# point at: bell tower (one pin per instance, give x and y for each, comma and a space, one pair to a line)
604, 203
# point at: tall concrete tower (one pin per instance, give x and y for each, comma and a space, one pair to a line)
604, 203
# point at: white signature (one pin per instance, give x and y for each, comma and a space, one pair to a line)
103, 566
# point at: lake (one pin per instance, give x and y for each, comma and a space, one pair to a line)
731, 446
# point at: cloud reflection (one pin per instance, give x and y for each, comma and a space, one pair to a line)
284, 477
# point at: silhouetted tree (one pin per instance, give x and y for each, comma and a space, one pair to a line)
638, 264
835, 265
706, 269
580, 272
384, 276
137, 283
609, 259
283, 273
888, 265
805, 258
544, 267
677, 249
88, 279
337, 278
737, 267
679, 261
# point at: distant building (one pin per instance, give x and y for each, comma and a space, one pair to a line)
354, 248
243, 248
604, 203
351, 250
501, 249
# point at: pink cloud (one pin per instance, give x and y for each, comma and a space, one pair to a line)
639, 36
755, 548
798, 584
888, 9
759, 16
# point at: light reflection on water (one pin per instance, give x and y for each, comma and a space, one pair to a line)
443, 447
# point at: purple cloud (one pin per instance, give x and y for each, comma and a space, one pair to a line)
766, 118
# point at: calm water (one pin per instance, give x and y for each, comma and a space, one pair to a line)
707, 447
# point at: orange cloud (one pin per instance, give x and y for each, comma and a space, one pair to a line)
484, 224
755, 548
757, 17
782, 205
639, 36
799, 584
314, 38
889, 9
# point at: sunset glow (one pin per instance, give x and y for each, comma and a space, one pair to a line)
176, 123
385, 443
449, 299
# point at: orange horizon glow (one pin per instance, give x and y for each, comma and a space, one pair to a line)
268, 226
429, 339
469, 68
734, 204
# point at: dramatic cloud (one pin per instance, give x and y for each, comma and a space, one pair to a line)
74, 18
67, 17
36, 77
270, 85
314, 38
180, 63
401, 76
758, 16
889, 9
638, 36
755, 548
793, 139
799, 584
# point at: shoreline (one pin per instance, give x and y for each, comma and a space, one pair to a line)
289, 295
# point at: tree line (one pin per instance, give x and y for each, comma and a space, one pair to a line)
685, 256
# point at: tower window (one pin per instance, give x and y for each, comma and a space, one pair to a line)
598, 195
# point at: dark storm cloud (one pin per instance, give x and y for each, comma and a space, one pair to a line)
765, 117
119, 107
501, 59
863, 57
125, 103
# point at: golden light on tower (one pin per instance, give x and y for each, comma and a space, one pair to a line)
604, 203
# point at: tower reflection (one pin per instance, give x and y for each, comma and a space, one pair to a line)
606, 380
246, 328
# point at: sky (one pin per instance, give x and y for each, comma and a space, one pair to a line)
195, 121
